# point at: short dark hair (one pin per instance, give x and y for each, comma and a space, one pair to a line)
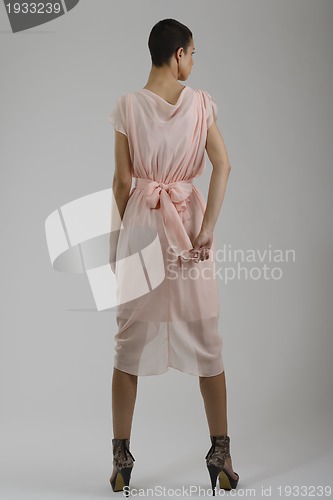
167, 36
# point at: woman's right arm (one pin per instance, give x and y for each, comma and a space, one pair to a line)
121, 187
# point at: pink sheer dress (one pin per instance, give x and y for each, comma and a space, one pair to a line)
167, 305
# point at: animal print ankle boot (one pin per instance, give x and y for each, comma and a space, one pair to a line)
215, 460
122, 465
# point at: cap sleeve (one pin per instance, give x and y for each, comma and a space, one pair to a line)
211, 108
118, 115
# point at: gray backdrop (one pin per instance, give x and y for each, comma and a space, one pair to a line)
268, 66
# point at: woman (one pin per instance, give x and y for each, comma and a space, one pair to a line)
161, 133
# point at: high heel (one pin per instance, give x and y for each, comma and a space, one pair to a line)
122, 465
215, 460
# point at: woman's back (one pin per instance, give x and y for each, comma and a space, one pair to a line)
174, 320
166, 141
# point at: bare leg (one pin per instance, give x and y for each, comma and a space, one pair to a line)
124, 390
214, 393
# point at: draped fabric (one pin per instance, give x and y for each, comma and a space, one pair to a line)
168, 306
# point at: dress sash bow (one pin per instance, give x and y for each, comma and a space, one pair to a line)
171, 198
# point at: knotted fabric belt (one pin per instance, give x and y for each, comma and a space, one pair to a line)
171, 199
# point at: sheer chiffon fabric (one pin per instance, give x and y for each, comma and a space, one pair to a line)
168, 307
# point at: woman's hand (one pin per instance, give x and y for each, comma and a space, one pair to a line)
202, 245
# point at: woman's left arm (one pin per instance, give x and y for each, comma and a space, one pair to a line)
219, 159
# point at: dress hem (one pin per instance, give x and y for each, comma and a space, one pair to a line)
168, 369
